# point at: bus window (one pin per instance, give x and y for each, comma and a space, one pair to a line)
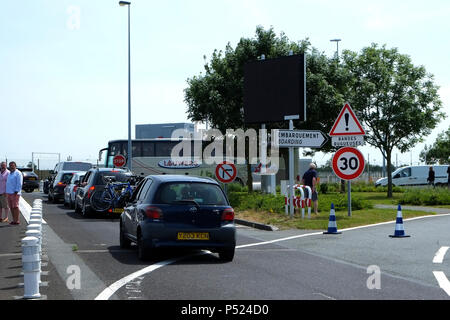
136, 149
164, 148
115, 148
148, 149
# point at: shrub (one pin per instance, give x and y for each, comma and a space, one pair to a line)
426, 196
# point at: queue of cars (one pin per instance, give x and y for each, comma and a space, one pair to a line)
164, 211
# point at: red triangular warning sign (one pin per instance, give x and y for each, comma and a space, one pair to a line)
346, 123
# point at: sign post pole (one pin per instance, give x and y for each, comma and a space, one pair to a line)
349, 198
291, 174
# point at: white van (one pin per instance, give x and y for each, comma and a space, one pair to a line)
415, 175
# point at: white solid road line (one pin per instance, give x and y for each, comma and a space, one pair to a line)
440, 254
109, 291
442, 281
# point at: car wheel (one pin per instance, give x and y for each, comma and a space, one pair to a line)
29, 190
227, 254
125, 243
77, 208
144, 253
85, 211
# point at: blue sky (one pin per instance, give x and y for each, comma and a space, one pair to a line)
63, 64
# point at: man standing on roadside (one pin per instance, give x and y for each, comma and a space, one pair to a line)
13, 191
4, 172
310, 179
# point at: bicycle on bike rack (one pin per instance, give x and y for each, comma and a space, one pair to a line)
113, 198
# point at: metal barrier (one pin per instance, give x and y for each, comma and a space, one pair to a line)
299, 201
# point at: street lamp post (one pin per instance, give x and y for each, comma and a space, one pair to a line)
130, 155
337, 47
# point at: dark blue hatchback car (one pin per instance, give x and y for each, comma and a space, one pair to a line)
179, 211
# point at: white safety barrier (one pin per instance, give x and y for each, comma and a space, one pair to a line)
31, 265
299, 201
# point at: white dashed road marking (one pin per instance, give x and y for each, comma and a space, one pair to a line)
440, 254
439, 275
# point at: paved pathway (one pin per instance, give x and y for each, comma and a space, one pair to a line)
428, 209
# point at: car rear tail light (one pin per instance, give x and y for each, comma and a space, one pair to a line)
228, 214
75, 188
153, 212
61, 184
91, 189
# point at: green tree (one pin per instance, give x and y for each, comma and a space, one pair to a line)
217, 95
397, 101
439, 151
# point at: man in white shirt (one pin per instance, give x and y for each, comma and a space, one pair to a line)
13, 191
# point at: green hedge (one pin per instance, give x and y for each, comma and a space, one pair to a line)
270, 203
325, 188
426, 196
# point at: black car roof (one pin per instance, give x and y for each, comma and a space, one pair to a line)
180, 178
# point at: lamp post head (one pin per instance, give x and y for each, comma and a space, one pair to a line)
124, 3
335, 40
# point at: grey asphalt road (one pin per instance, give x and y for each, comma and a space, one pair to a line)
314, 267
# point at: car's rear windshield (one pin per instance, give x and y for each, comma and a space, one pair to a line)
187, 192
76, 177
118, 176
66, 177
77, 166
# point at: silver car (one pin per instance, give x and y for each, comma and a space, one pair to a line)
71, 189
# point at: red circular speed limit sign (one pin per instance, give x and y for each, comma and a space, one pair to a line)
226, 172
119, 160
348, 163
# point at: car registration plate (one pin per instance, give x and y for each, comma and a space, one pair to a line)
118, 210
32, 178
193, 236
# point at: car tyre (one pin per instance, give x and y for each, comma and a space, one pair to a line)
125, 243
85, 211
144, 252
77, 208
227, 254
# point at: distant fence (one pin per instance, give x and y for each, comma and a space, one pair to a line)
330, 177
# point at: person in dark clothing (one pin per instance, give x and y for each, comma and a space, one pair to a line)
431, 176
310, 179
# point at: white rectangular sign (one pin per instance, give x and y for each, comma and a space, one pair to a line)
299, 138
347, 141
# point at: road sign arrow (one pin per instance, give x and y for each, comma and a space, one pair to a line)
299, 138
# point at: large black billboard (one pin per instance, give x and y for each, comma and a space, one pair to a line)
274, 88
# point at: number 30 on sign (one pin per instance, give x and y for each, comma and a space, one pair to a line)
348, 163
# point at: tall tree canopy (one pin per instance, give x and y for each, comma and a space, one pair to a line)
397, 101
439, 151
218, 94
